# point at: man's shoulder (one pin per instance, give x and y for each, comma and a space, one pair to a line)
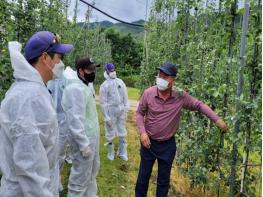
26, 94
28, 89
178, 92
119, 80
74, 85
150, 90
78, 89
104, 85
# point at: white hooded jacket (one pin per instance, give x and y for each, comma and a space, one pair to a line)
113, 95
29, 134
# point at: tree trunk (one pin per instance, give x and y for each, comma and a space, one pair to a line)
239, 92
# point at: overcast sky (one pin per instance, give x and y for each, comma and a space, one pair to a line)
127, 10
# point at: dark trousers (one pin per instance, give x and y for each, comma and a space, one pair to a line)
164, 152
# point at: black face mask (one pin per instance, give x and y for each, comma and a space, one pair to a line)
89, 77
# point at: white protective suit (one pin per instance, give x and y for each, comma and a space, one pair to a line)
79, 103
56, 88
29, 134
114, 106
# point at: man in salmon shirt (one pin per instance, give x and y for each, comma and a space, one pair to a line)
157, 118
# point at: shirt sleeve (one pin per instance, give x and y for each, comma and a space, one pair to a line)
140, 113
31, 164
74, 105
194, 104
103, 102
125, 98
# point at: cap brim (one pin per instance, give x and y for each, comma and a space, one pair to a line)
61, 48
97, 65
165, 71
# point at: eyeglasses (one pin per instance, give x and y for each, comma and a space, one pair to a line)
57, 39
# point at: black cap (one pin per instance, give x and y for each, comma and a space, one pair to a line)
84, 62
169, 69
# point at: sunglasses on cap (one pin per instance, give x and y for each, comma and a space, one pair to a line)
56, 40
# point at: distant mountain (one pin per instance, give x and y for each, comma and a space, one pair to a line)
102, 24
120, 26
129, 28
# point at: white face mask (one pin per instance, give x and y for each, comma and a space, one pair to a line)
58, 70
113, 75
162, 84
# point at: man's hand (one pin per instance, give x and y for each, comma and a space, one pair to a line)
109, 123
145, 140
222, 125
86, 151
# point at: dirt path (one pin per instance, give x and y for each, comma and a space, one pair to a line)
133, 103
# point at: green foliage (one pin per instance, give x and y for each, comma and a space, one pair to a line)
5, 65
126, 52
131, 80
205, 42
203, 39
133, 93
20, 19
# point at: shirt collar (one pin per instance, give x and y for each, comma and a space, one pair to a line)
172, 93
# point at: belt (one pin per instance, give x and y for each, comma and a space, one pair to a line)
162, 141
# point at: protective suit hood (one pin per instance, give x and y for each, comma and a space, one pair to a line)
69, 73
106, 76
22, 69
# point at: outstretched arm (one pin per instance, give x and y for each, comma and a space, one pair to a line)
196, 105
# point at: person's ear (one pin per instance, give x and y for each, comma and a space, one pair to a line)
81, 72
45, 55
44, 58
171, 81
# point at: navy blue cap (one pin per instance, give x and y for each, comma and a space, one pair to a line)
45, 41
169, 69
109, 67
